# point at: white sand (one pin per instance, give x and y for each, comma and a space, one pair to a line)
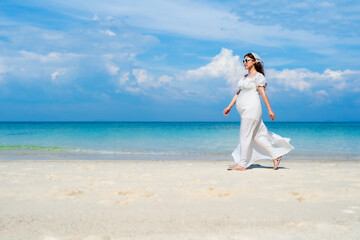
178, 200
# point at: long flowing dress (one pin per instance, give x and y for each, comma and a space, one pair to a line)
256, 142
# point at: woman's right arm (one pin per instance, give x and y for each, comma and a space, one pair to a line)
233, 101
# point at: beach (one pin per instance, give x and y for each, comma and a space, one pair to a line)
109, 199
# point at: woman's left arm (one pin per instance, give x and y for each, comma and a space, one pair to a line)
262, 92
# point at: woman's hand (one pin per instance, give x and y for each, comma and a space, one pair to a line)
227, 110
272, 115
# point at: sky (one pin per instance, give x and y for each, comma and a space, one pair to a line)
164, 60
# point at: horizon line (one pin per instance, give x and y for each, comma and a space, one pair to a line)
108, 121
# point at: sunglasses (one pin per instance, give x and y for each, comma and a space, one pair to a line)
246, 60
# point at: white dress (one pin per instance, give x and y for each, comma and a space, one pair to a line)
256, 142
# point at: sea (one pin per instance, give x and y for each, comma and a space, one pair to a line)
195, 141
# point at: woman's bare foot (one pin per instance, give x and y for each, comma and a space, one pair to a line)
237, 167
276, 162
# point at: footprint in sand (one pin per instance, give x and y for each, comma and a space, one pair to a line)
53, 177
137, 194
88, 167
294, 193
60, 194
125, 193
299, 199
72, 193
211, 192
126, 202
96, 182
128, 197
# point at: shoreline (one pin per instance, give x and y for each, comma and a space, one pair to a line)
142, 199
226, 161
57, 155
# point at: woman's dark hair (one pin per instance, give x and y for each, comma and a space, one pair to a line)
258, 65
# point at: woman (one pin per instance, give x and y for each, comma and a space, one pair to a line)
256, 142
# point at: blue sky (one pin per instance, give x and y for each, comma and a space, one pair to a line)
176, 60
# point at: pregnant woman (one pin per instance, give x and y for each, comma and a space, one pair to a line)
256, 142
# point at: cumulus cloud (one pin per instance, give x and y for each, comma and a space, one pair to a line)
165, 79
303, 79
110, 33
58, 73
225, 70
37, 68
124, 78
322, 93
112, 69
141, 81
219, 77
224, 65
213, 80
321, 97
142, 77
292, 78
341, 79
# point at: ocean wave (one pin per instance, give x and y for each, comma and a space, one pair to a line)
114, 152
35, 149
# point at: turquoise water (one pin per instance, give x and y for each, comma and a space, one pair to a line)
167, 140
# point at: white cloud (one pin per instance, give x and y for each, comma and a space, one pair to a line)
159, 58
210, 21
53, 56
142, 77
341, 79
303, 79
96, 18
224, 65
112, 69
57, 73
334, 75
292, 78
133, 89
124, 78
321, 97
28, 65
146, 80
225, 68
140, 80
3, 68
54, 75
322, 93
110, 33
165, 79
221, 75
50, 57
